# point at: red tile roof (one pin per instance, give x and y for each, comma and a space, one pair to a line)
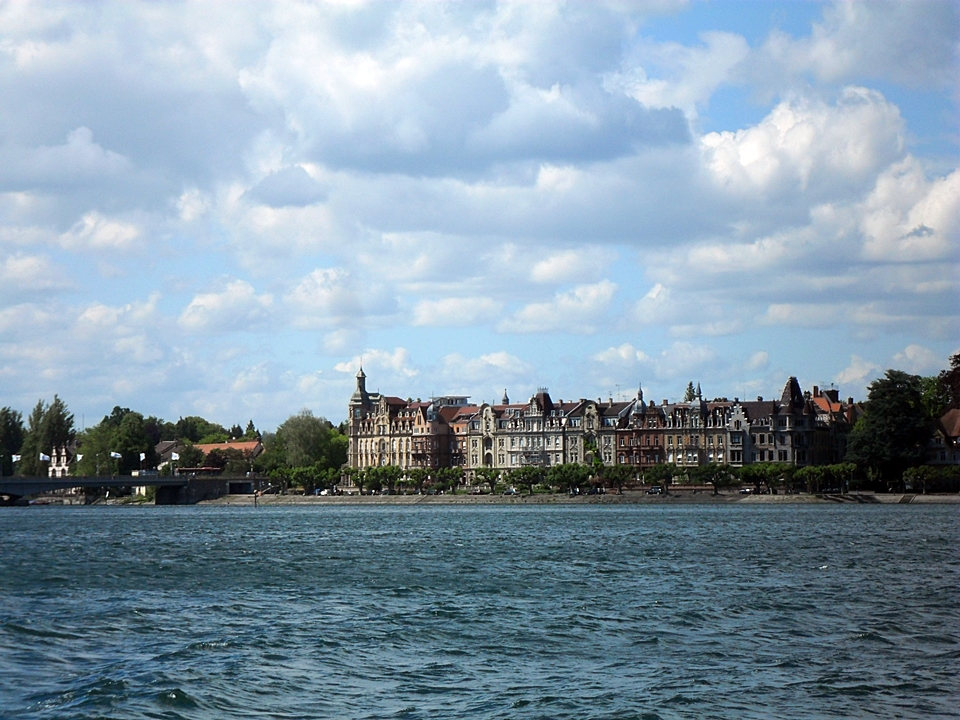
247, 447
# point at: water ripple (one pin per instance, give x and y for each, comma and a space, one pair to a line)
612, 613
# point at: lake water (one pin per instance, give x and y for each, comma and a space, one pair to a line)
480, 612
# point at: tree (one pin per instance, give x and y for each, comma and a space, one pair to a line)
157, 429
950, 379
251, 433
893, 433
190, 456
48, 427
419, 477
123, 431
660, 475
935, 395
716, 474
528, 475
617, 476
196, 429
390, 475
487, 476
11, 438
690, 393
754, 474
307, 440
568, 476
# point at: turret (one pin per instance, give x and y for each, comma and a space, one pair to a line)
360, 396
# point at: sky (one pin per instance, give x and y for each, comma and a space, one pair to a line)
222, 209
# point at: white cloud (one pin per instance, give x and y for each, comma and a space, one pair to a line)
323, 298
455, 311
397, 362
758, 361
707, 329
804, 144
98, 232
673, 75
910, 43
625, 354
675, 361
79, 159
192, 204
236, 307
251, 379
31, 273
489, 369
857, 372
800, 315
919, 360
908, 218
580, 310
654, 307
572, 265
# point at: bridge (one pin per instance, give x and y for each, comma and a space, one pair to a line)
171, 490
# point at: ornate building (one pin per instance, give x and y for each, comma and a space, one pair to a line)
448, 431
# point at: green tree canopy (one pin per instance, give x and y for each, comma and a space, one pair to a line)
48, 427
893, 433
568, 476
123, 431
12, 433
950, 379
303, 440
935, 395
196, 429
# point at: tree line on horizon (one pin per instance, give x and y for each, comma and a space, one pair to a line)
888, 444
302, 440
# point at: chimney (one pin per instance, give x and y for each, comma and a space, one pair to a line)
816, 391
849, 401
664, 401
759, 398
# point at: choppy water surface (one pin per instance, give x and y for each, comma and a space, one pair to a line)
487, 612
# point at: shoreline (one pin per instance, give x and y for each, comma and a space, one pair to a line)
627, 498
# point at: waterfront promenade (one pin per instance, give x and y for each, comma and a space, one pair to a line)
681, 497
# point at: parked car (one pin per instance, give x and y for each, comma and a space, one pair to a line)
655, 490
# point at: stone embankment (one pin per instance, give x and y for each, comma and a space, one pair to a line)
627, 498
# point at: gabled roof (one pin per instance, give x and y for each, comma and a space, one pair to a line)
950, 423
824, 404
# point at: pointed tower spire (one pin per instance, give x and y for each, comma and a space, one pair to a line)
360, 396
506, 400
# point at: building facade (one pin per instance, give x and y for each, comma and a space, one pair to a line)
449, 431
